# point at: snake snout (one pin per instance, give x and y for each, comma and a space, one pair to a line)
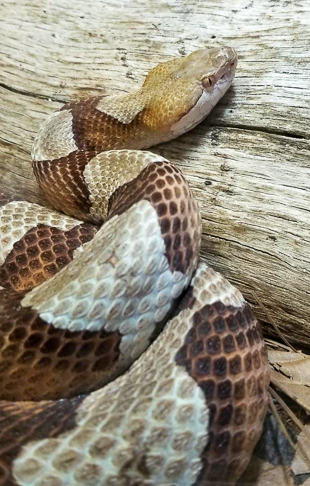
231, 55
224, 60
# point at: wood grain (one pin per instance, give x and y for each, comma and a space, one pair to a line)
248, 164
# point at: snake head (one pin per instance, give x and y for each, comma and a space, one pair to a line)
209, 66
182, 92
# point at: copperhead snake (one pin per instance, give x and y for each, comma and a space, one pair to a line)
80, 303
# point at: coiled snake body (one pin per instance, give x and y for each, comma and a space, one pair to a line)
79, 305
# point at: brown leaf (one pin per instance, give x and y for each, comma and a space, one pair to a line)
298, 392
293, 365
291, 373
283, 356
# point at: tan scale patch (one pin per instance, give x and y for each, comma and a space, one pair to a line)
110, 170
55, 137
18, 217
214, 287
123, 108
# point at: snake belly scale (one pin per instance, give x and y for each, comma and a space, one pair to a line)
86, 289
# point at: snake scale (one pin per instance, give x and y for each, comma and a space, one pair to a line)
95, 388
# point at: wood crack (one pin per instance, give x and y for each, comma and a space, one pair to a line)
31, 94
260, 129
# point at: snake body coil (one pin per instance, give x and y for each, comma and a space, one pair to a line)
80, 303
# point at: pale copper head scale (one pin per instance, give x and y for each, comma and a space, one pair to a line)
208, 62
195, 67
173, 88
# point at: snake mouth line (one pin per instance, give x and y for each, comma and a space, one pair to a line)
232, 64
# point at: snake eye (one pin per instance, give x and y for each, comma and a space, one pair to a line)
208, 81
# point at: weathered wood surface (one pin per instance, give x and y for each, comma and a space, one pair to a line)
249, 163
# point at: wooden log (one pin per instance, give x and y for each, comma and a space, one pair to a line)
248, 163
